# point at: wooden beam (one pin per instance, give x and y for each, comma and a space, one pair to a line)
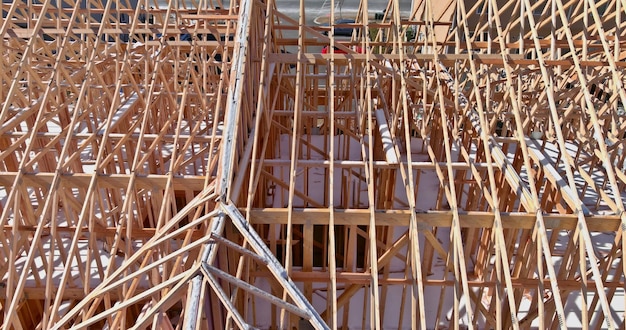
473, 219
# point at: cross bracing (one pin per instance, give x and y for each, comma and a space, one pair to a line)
203, 164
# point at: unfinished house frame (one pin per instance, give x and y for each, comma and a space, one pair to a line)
203, 164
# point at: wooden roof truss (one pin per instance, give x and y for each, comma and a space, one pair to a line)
226, 165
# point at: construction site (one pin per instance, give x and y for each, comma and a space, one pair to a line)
208, 164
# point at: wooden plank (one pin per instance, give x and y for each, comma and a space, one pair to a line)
472, 219
145, 120
152, 181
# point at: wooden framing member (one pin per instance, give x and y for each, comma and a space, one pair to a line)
404, 164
